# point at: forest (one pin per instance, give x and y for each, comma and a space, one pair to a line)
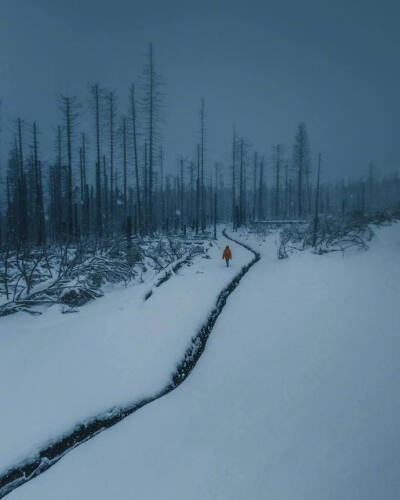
103, 197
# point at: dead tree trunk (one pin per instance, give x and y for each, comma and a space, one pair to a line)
111, 117
316, 214
198, 190
99, 215
255, 185
124, 173
261, 214
67, 104
277, 180
234, 221
135, 156
39, 210
241, 198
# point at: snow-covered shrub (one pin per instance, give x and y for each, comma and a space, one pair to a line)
74, 274
333, 234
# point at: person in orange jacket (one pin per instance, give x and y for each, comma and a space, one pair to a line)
227, 255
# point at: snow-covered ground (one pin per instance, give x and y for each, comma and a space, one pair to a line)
57, 370
296, 396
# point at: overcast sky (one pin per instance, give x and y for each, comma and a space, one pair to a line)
261, 66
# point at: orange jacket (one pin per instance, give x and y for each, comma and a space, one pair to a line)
227, 253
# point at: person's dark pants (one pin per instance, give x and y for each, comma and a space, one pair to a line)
227, 262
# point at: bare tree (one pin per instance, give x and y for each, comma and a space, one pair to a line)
202, 146
22, 214
182, 191
286, 190
277, 151
124, 170
39, 208
215, 201
255, 166
301, 162
111, 112
69, 108
162, 194
106, 198
135, 155
84, 189
234, 141
198, 180
261, 213
151, 106
99, 216
241, 182
316, 214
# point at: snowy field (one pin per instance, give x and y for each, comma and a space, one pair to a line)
296, 396
60, 369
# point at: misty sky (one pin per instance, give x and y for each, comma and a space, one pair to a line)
261, 66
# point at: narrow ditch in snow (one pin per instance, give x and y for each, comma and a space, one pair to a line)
167, 275
53, 452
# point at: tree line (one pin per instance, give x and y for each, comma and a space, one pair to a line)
118, 185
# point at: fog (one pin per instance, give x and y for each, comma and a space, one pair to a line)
262, 67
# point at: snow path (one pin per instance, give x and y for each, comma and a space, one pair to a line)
296, 397
52, 453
